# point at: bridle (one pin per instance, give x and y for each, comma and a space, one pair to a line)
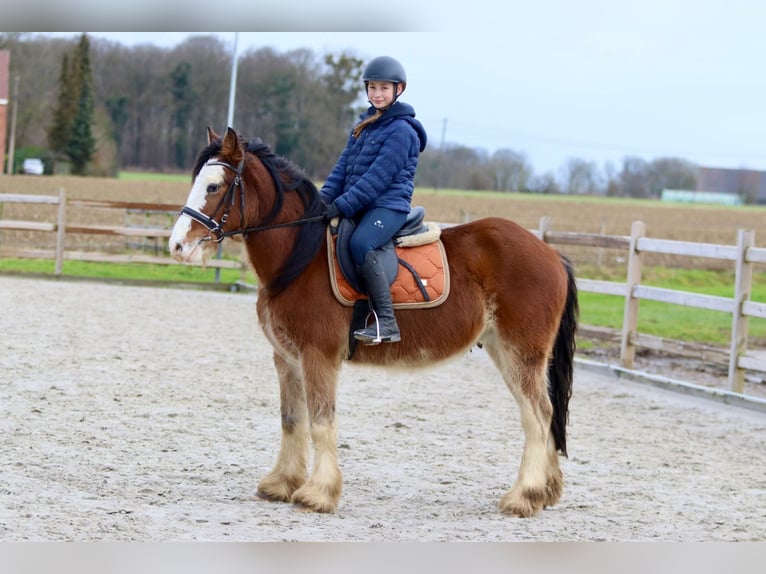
216, 234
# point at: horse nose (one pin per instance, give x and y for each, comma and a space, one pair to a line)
176, 250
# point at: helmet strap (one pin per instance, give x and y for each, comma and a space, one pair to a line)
397, 93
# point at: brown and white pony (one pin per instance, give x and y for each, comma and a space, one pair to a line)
510, 292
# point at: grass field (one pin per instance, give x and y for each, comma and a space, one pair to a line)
698, 223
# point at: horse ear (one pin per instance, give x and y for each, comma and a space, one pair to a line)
231, 148
211, 135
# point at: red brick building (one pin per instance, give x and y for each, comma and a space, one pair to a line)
5, 61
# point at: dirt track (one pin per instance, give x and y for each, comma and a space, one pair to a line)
136, 413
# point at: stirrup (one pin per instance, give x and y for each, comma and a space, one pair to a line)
366, 340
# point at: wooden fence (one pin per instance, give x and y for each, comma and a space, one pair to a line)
62, 228
744, 256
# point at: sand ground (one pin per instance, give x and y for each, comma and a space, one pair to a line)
149, 414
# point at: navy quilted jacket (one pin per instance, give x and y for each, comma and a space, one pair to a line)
378, 168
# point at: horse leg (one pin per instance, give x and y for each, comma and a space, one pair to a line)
290, 471
540, 481
322, 491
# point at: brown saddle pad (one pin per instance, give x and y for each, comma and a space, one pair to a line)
429, 262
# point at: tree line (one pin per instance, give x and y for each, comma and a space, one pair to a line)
101, 107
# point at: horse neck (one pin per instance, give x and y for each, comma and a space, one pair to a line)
270, 249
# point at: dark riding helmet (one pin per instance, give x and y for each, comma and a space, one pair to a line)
385, 69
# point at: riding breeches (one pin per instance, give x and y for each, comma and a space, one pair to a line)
376, 227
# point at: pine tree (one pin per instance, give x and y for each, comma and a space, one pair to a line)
81, 144
184, 99
63, 115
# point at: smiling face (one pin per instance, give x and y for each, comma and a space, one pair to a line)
185, 241
381, 94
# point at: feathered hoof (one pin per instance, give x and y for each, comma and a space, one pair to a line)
554, 488
316, 498
278, 488
525, 504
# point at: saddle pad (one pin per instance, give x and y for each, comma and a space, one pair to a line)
429, 262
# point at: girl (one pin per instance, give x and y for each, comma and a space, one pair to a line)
373, 180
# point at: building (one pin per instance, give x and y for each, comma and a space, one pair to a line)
749, 184
707, 197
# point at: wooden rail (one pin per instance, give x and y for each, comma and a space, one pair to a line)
743, 256
61, 227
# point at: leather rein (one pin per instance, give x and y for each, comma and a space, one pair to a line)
216, 234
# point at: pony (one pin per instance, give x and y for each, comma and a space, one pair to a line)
510, 293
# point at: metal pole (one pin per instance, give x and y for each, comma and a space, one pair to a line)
12, 142
229, 123
233, 83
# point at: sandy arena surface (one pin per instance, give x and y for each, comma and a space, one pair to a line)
150, 414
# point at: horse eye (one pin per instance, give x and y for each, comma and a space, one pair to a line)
213, 187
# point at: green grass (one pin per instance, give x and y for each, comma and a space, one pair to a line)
150, 176
676, 321
126, 271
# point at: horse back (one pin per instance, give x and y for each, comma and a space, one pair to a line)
499, 248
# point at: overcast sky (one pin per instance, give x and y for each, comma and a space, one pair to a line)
555, 79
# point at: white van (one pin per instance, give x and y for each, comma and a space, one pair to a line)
33, 166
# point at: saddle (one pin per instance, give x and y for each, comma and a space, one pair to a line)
414, 262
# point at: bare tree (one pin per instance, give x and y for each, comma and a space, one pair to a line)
580, 177
634, 177
545, 183
671, 173
511, 170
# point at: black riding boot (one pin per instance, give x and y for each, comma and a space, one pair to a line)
385, 330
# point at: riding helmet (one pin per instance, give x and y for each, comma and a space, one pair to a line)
385, 69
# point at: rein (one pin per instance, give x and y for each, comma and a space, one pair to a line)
216, 234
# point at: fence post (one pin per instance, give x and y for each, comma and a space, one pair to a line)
60, 231
630, 315
545, 226
743, 281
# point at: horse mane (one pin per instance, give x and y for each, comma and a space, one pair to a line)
287, 178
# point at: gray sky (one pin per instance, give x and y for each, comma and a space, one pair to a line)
555, 79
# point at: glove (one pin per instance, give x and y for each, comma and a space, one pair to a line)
330, 211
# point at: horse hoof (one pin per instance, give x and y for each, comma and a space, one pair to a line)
298, 507
276, 487
313, 501
262, 496
524, 506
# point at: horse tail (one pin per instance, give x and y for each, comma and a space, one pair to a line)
561, 366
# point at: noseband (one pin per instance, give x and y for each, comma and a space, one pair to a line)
216, 234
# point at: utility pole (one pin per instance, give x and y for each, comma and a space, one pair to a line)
444, 135
439, 176
12, 142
